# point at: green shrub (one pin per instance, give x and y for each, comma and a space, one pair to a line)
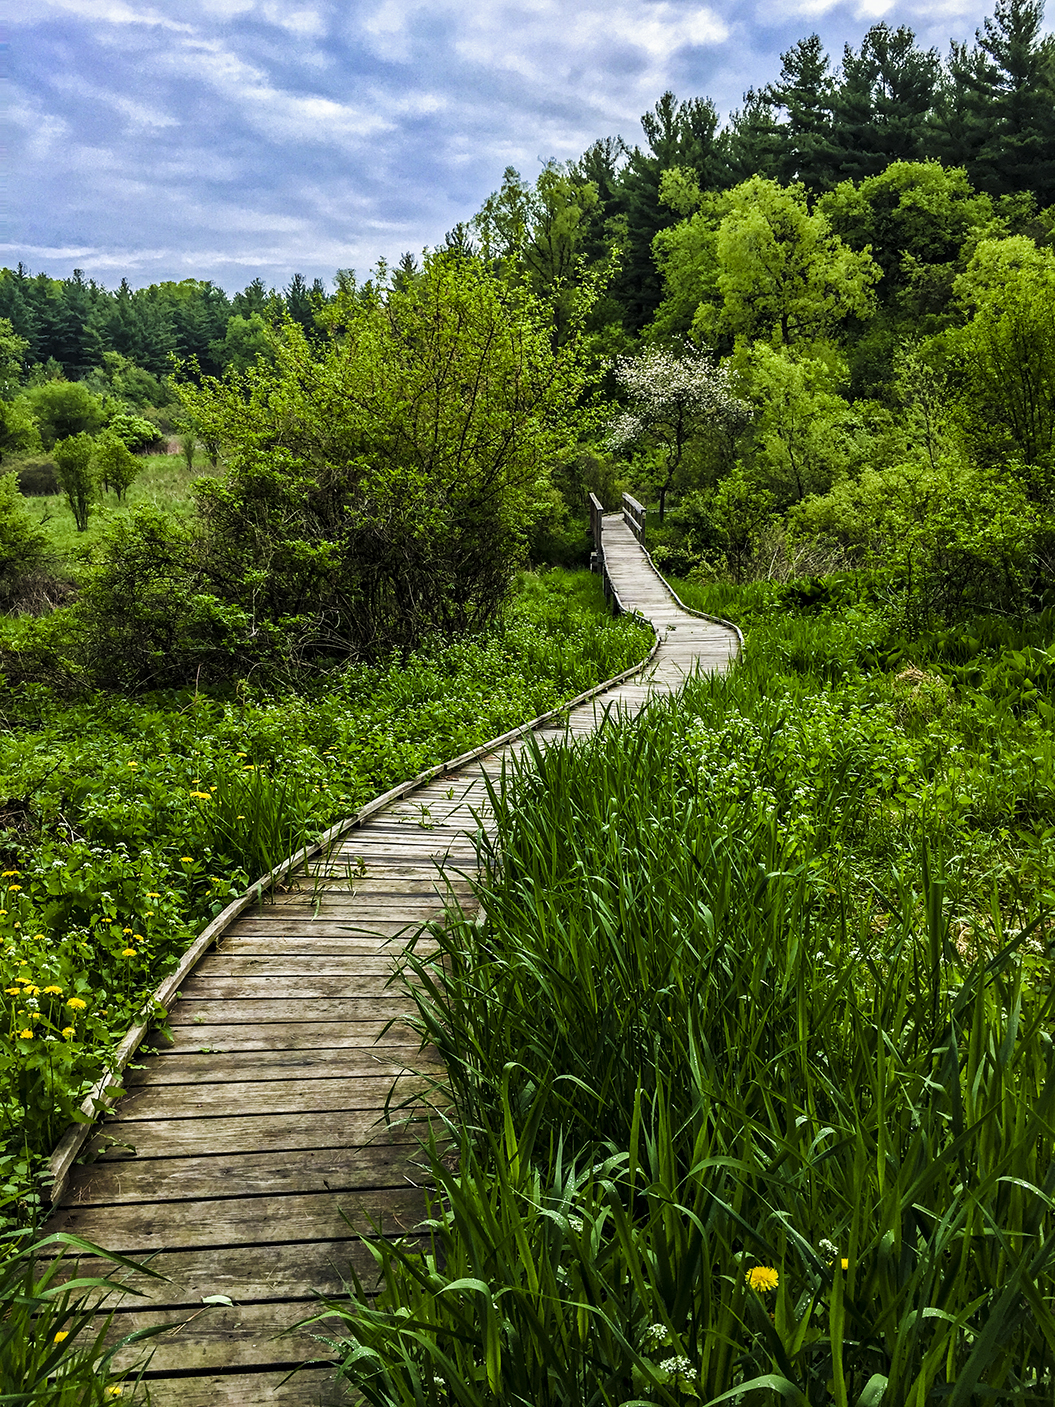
23, 545
64, 409
115, 465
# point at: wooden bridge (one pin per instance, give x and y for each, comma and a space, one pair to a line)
249, 1152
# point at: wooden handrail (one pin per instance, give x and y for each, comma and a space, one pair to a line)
634, 513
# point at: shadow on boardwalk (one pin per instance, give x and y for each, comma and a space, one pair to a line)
248, 1153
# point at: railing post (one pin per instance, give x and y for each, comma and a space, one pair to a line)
596, 514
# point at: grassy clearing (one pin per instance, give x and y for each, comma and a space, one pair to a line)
126, 823
164, 482
752, 1056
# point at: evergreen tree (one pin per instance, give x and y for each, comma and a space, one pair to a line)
806, 93
753, 143
881, 104
679, 134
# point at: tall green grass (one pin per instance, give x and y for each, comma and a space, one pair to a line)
742, 997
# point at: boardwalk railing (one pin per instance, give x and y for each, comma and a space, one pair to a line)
635, 514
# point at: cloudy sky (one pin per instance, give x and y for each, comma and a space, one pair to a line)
227, 139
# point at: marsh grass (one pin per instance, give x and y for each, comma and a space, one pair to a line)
713, 1020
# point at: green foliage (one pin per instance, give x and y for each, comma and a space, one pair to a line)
23, 546
752, 1090
1008, 354
784, 275
18, 428
125, 824
64, 409
74, 463
244, 342
134, 431
114, 463
55, 1344
381, 485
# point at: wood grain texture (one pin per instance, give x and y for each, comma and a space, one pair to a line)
251, 1153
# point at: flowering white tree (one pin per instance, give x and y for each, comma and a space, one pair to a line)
672, 400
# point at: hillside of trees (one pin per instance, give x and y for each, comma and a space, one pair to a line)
818, 338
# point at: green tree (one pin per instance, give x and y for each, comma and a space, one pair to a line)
914, 219
804, 434
245, 339
65, 408
381, 484
782, 274
13, 351
74, 461
995, 110
1007, 354
18, 428
881, 104
805, 92
114, 464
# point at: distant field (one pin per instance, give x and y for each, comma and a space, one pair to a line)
165, 482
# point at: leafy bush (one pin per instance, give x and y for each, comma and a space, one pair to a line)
64, 409
23, 546
134, 431
37, 477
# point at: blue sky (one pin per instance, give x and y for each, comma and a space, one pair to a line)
230, 139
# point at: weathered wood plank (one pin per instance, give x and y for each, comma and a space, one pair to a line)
261, 1010
361, 986
237, 1134
246, 1335
384, 1163
373, 1035
352, 1061
313, 1387
137, 1229
266, 1098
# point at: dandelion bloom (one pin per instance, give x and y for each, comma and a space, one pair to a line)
13, 991
26, 1035
31, 992
8, 874
53, 991
137, 937
133, 764
763, 1277
115, 1390
38, 937
69, 1032
128, 952
153, 894
845, 1263
75, 1004
186, 859
13, 888
62, 1334
201, 795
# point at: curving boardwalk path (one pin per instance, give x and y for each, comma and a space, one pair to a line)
247, 1153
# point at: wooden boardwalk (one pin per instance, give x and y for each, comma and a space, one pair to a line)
249, 1153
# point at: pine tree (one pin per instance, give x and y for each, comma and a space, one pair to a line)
806, 93
881, 105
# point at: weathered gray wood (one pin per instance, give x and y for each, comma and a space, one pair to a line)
139, 1229
371, 1036
385, 1163
307, 1388
264, 1097
237, 1134
298, 1063
259, 1009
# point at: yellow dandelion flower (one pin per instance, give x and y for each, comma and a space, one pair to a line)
62, 1334
69, 1032
186, 859
126, 930
201, 795
38, 937
128, 952
13, 991
762, 1278
31, 992
53, 991
26, 1035
137, 937
13, 888
75, 1004
239, 818
133, 764
8, 874
115, 1390
845, 1263
3, 912
153, 894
